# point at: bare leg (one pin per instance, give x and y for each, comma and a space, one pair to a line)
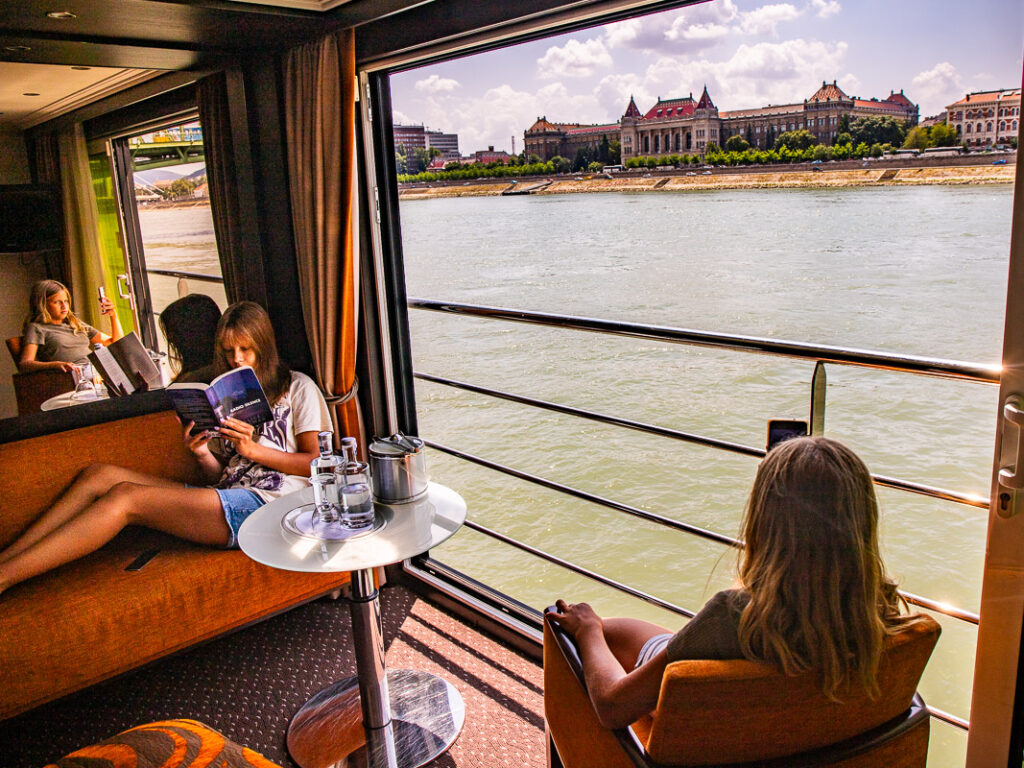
625, 638
194, 514
90, 484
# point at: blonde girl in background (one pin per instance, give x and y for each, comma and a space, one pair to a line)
53, 337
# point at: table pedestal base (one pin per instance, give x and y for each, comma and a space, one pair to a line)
427, 714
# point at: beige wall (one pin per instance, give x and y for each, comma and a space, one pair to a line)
18, 275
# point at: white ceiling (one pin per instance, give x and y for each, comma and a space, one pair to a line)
60, 89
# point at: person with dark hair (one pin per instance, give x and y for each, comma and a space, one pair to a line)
190, 325
812, 595
245, 467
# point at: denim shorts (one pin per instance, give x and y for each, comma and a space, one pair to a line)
651, 647
238, 504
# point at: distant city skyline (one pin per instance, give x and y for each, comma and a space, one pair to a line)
748, 54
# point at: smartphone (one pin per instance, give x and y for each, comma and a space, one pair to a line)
780, 430
102, 292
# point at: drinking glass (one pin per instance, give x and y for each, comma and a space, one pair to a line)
85, 389
326, 502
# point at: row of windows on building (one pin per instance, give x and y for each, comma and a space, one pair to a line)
973, 114
987, 127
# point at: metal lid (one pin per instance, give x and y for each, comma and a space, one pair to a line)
396, 445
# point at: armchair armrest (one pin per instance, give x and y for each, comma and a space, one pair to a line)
576, 737
33, 388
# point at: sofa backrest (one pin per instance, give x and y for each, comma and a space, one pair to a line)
35, 470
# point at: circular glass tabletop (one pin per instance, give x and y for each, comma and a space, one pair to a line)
406, 531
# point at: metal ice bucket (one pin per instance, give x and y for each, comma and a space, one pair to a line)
397, 469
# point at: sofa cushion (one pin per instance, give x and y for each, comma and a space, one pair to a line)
166, 744
90, 619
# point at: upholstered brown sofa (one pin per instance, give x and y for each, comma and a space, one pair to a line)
92, 619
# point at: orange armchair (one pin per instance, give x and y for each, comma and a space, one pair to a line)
33, 388
743, 714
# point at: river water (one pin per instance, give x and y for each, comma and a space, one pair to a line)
918, 271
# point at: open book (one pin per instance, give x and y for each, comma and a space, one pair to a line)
236, 394
126, 366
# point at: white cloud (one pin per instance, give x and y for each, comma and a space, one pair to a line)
756, 75
435, 84
685, 31
700, 27
825, 8
574, 59
766, 19
937, 87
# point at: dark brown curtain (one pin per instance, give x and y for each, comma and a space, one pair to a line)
320, 91
46, 165
212, 98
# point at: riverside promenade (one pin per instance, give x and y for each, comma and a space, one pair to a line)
846, 174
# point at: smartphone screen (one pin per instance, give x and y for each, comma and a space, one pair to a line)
780, 430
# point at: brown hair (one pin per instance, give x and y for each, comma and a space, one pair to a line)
819, 596
249, 321
37, 310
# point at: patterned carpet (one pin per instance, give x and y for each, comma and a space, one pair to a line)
249, 684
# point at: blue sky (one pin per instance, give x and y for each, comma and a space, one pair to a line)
748, 53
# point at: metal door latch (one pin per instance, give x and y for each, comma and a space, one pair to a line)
1011, 475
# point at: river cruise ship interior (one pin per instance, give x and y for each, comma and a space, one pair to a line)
423, 641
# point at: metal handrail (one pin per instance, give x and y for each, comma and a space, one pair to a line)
888, 482
186, 275
591, 497
646, 597
988, 374
932, 605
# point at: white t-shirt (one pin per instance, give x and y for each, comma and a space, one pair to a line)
301, 409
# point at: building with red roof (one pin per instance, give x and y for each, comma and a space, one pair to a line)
986, 118
682, 125
545, 139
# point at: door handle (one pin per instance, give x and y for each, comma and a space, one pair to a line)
125, 290
1011, 478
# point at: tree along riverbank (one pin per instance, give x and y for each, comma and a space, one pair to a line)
720, 178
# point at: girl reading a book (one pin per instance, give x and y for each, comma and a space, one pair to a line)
245, 467
53, 337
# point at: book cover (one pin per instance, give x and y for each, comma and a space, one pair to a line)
134, 360
236, 394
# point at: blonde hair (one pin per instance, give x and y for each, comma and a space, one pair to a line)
820, 600
247, 320
38, 311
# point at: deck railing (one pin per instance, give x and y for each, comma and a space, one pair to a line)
821, 355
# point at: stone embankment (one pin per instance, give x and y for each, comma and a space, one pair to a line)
728, 178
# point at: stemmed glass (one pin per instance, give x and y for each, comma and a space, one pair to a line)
85, 389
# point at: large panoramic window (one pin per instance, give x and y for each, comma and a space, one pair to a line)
745, 231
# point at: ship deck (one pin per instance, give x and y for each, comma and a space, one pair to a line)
248, 685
